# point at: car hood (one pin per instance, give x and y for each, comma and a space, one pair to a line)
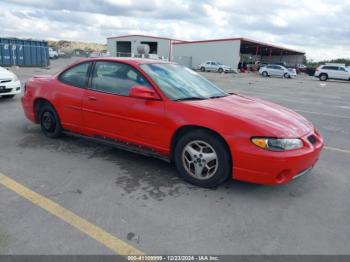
271, 119
5, 74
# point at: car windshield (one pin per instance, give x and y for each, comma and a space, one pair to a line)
181, 83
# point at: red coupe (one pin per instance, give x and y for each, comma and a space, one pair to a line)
168, 111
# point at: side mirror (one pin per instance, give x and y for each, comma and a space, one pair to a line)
143, 92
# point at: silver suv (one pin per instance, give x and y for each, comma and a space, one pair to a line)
339, 72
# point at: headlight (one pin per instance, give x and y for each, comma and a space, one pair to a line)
278, 144
15, 78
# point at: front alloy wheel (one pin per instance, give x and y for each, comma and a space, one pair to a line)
202, 158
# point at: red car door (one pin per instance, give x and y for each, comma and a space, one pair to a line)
70, 86
109, 111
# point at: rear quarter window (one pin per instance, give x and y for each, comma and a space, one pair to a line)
76, 75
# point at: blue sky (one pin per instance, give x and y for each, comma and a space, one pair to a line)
319, 27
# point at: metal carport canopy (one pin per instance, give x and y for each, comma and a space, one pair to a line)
249, 46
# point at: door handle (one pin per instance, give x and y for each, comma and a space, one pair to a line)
92, 98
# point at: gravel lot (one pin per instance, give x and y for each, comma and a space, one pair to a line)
143, 202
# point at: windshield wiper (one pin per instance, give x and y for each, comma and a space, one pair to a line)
190, 98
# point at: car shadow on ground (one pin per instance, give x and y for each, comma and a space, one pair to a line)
333, 81
144, 178
4, 100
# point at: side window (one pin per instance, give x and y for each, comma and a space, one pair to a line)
213, 63
330, 67
270, 67
342, 69
116, 78
76, 76
208, 63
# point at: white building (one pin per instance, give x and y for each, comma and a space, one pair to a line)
127, 45
229, 51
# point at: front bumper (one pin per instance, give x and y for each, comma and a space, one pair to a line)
10, 88
261, 166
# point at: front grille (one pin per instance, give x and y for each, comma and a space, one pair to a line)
5, 81
312, 139
5, 90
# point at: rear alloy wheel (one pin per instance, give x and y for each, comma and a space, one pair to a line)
49, 121
220, 70
203, 69
323, 77
265, 74
202, 159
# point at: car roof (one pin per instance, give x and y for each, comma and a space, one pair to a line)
134, 61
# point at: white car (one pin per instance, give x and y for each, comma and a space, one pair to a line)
214, 67
53, 53
339, 72
9, 84
277, 70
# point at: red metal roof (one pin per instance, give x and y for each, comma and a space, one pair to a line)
270, 45
208, 41
129, 60
148, 36
242, 39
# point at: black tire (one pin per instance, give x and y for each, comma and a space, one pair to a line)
203, 69
220, 70
323, 77
286, 75
8, 96
223, 160
49, 121
265, 74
